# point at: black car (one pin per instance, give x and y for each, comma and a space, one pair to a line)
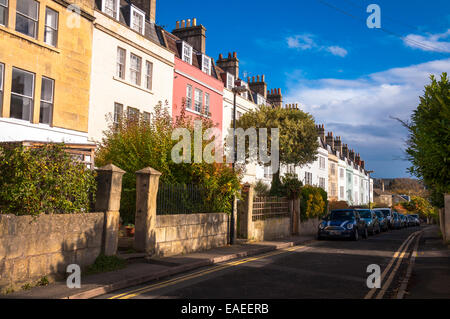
343, 223
392, 221
384, 222
416, 219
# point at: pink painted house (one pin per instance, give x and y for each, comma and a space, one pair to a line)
197, 84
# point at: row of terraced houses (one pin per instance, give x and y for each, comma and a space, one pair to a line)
68, 69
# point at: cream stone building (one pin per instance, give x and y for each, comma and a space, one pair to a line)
131, 71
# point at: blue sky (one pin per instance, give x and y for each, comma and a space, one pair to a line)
350, 78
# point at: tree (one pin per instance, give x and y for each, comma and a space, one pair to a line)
297, 134
428, 144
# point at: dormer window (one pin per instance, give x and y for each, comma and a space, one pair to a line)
187, 53
206, 64
137, 19
111, 8
230, 81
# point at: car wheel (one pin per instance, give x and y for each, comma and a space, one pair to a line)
319, 237
356, 234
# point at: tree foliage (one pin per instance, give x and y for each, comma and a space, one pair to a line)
133, 144
44, 180
428, 144
313, 202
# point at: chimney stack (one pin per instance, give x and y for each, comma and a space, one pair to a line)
330, 140
230, 64
275, 98
148, 6
193, 34
345, 150
258, 86
338, 145
321, 132
382, 185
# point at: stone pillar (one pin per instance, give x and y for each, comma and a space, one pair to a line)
246, 213
109, 189
147, 180
446, 236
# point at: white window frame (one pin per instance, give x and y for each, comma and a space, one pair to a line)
146, 117
333, 169
52, 102
117, 2
36, 21
267, 172
198, 99
121, 65
137, 70
206, 64
186, 52
148, 75
25, 96
2, 80
189, 97
230, 81
6, 11
50, 27
321, 162
132, 111
117, 113
139, 12
206, 105
341, 192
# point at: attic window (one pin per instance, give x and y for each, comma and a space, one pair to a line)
206, 64
111, 8
137, 19
187, 53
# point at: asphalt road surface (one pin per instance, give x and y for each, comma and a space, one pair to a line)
321, 269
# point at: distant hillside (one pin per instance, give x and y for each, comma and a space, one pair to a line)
407, 186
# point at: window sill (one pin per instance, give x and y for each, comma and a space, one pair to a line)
131, 84
29, 39
198, 113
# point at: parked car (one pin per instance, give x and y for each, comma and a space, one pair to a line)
343, 223
413, 220
403, 221
384, 222
396, 221
392, 219
371, 219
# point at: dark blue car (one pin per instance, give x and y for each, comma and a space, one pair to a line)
343, 223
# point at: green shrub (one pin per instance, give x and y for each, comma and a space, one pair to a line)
43, 179
291, 186
313, 203
262, 189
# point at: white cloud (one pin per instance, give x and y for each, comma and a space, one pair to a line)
307, 41
360, 109
431, 42
336, 50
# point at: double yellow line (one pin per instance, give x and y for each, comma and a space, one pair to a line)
397, 259
170, 282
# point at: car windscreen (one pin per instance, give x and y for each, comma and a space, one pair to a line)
386, 212
365, 213
379, 214
342, 215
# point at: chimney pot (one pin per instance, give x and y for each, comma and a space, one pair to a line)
262, 78
234, 55
220, 56
188, 23
229, 55
257, 78
183, 23
253, 79
178, 25
194, 22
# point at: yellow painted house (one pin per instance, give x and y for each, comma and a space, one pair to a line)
45, 66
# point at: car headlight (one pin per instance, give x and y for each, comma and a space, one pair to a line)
349, 226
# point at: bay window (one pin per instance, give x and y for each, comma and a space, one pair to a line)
22, 89
47, 94
27, 16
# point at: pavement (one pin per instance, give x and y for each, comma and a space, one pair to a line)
140, 270
430, 276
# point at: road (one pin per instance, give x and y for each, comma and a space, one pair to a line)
321, 269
